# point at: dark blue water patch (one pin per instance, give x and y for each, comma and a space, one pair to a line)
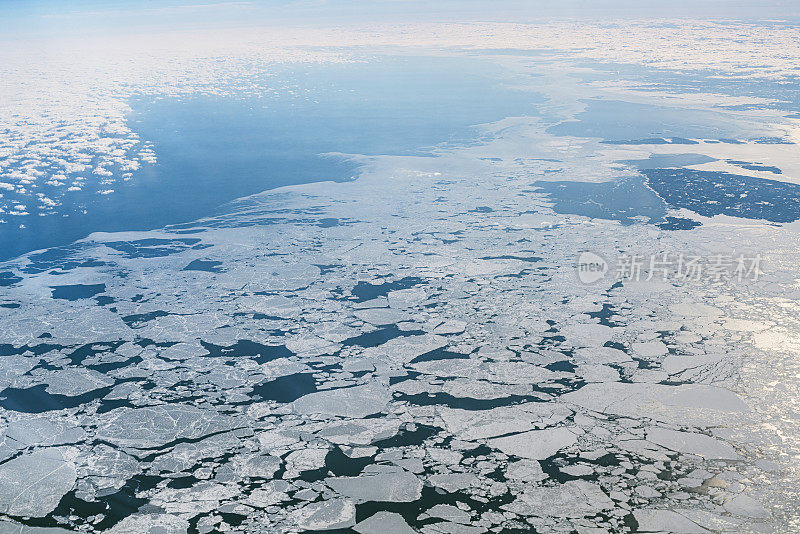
209, 266
244, 348
626, 200
212, 150
111, 508
77, 291
327, 269
287, 388
463, 403
364, 291
430, 497
8, 278
36, 399
89, 350
63, 258
561, 366
710, 193
604, 315
104, 300
379, 336
652, 141
755, 166
7, 349
618, 120
137, 320
328, 222
678, 223
339, 464
439, 354
660, 161
154, 248
409, 437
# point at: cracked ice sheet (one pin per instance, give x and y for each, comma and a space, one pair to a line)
33, 484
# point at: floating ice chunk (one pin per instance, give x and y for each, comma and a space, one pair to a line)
108, 467
384, 523
23, 433
311, 346
646, 492
525, 471
651, 520
185, 455
597, 373
326, 515
576, 498
266, 496
687, 404
74, 381
379, 483
381, 316
13, 366
502, 372
535, 444
577, 470
256, 465
745, 325
744, 505
150, 524
601, 355
464, 388
274, 306
356, 401
404, 349
272, 439
181, 351
378, 302
16, 528
406, 298
649, 349
483, 424
448, 513
451, 482
476, 267
446, 527
688, 442
364, 432
450, 327
673, 363
587, 334
305, 460
200, 498
33, 484
464, 368
695, 309
711, 521
153, 427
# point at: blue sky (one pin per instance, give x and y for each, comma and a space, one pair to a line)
20, 17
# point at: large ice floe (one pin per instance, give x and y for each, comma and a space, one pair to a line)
413, 351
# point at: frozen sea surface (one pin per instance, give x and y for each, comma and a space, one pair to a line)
413, 350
